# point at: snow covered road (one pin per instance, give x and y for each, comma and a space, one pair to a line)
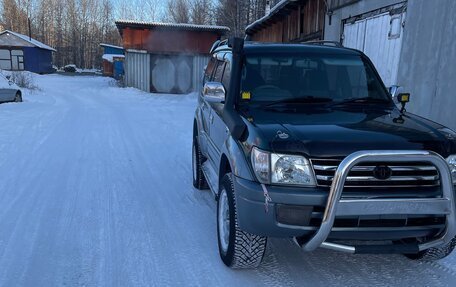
95, 190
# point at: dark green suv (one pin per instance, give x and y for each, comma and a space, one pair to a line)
304, 141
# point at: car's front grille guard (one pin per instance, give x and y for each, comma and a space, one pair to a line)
347, 207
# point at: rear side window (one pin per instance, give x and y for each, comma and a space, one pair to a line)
209, 69
219, 72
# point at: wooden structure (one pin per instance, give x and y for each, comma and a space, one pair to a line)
166, 58
22, 53
290, 21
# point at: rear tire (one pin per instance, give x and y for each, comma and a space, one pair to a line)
18, 98
199, 181
435, 253
238, 249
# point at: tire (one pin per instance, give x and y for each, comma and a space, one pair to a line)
18, 98
238, 249
435, 253
199, 181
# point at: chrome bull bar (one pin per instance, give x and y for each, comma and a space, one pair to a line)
336, 206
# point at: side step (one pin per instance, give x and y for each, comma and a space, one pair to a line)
211, 177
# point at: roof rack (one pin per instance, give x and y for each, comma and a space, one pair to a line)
325, 43
217, 44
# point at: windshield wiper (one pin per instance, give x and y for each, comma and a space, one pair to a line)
301, 100
366, 100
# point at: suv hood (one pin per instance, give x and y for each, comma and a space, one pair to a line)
336, 133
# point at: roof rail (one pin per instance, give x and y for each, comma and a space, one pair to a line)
217, 44
325, 43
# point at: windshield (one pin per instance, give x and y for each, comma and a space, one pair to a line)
310, 79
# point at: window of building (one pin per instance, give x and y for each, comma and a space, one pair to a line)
11, 60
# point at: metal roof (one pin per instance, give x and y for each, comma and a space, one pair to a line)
280, 9
111, 46
171, 26
29, 40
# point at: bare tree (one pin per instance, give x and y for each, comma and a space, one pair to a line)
237, 14
178, 11
74, 27
201, 12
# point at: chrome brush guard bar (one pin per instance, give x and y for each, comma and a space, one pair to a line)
444, 205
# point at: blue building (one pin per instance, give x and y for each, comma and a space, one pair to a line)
112, 50
113, 60
21, 53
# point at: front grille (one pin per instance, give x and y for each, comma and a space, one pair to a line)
410, 174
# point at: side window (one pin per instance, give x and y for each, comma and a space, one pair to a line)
209, 69
227, 76
219, 72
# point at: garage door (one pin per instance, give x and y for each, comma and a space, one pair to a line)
171, 74
380, 38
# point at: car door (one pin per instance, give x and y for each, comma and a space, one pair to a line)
5, 95
7, 92
213, 150
219, 130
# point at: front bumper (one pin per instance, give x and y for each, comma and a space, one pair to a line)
331, 208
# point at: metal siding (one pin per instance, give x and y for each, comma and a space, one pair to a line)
370, 35
199, 65
37, 60
428, 60
137, 70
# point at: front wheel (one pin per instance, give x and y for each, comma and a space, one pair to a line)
238, 249
18, 98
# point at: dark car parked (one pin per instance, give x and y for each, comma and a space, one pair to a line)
305, 141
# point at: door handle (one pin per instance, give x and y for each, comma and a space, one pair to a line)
211, 119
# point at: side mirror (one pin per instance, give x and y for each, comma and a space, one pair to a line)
214, 92
403, 99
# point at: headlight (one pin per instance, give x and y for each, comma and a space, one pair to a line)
282, 169
452, 163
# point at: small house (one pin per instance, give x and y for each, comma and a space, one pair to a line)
22, 53
113, 58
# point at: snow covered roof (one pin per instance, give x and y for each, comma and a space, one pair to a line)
111, 46
277, 10
174, 26
29, 40
110, 57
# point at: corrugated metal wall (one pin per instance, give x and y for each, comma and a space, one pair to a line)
199, 64
428, 58
164, 73
137, 70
